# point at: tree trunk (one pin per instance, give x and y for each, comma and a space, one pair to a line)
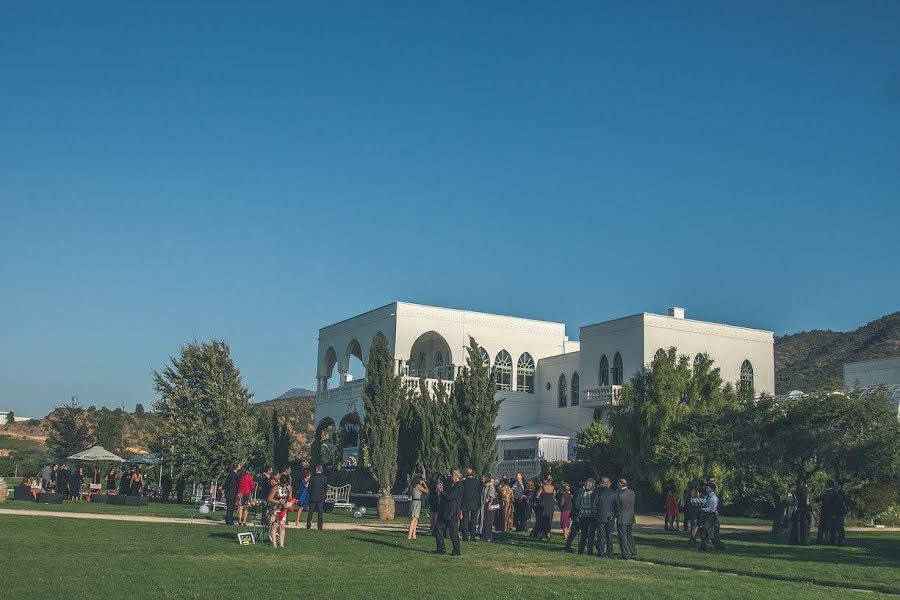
386, 506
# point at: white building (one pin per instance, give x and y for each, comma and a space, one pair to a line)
876, 373
550, 385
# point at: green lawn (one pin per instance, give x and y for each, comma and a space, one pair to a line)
155, 509
183, 561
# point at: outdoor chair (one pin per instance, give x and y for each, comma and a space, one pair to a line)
340, 495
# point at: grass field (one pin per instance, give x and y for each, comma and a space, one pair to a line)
82, 558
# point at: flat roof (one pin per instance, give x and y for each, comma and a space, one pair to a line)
651, 314
459, 310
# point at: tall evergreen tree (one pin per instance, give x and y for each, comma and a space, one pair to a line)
206, 419
383, 399
70, 430
108, 429
477, 407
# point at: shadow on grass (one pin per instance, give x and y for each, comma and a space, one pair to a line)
396, 546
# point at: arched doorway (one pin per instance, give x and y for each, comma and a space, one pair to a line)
430, 357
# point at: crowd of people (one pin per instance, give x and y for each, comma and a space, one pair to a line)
70, 482
466, 508
278, 494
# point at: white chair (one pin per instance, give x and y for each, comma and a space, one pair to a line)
340, 495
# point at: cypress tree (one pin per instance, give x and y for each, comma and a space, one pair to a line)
383, 399
476, 409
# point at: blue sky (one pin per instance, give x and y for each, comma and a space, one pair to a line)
253, 172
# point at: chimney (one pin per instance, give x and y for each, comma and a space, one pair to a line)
676, 312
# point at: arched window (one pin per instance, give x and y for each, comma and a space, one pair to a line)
617, 371
699, 360
525, 373
746, 376
604, 370
660, 355
576, 385
439, 365
503, 371
563, 399
485, 359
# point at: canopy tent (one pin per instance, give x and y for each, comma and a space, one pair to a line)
96, 454
144, 459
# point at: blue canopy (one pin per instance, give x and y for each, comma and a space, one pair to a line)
144, 459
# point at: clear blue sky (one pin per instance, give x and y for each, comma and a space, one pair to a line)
253, 171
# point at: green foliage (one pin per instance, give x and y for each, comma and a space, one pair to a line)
70, 430
206, 419
22, 455
383, 399
432, 418
10, 419
476, 408
593, 443
139, 410
109, 426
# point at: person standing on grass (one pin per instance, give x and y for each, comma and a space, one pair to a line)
625, 520
76, 482
111, 477
544, 498
278, 503
564, 499
671, 510
136, 482
416, 489
318, 491
605, 512
231, 492
802, 516
244, 494
451, 494
507, 505
710, 517
263, 483
302, 493
585, 505
62, 481
520, 502
471, 500
488, 497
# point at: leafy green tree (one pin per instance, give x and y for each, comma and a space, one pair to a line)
206, 419
383, 399
70, 431
109, 428
10, 419
654, 401
434, 425
592, 444
139, 410
477, 408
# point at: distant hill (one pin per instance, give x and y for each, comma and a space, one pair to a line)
812, 360
297, 407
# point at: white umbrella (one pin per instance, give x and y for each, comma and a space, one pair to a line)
97, 453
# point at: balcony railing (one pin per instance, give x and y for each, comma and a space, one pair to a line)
413, 382
603, 396
441, 373
343, 393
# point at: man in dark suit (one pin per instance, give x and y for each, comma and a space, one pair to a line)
471, 502
231, 487
451, 493
605, 510
625, 520
318, 490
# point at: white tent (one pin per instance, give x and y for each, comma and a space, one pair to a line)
97, 453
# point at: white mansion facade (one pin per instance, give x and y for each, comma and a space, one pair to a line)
550, 385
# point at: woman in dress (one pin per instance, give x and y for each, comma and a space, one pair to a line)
75, 484
672, 512
277, 505
302, 493
137, 482
544, 495
488, 496
416, 489
506, 505
565, 510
